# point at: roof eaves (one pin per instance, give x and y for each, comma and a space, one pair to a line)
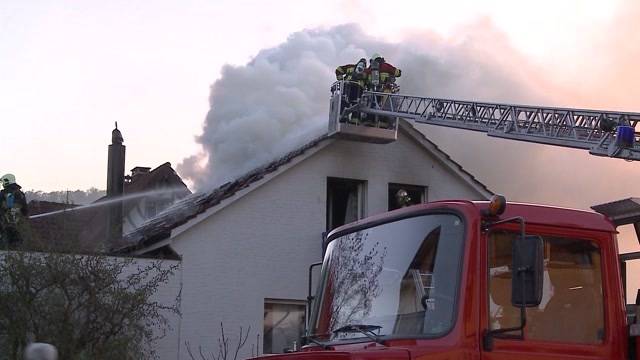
445, 158
208, 203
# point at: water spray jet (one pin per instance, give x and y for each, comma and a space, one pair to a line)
109, 201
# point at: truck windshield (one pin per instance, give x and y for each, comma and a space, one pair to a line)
400, 278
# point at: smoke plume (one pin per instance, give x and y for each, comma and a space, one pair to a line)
279, 100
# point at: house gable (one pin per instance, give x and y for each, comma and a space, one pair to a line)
259, 243
412, 160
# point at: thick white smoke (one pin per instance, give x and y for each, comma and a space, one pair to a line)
279, 100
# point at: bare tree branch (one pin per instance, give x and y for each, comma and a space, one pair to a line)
223, 346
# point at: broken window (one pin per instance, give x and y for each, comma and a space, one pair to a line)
345, 201
415, 194
283, 325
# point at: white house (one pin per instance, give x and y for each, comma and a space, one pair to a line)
246, 247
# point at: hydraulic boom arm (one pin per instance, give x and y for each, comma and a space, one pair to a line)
603, 133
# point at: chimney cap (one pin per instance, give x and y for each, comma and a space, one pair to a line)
140, 169
116, 136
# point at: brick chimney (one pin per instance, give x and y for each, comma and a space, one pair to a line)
115, 185
139, 170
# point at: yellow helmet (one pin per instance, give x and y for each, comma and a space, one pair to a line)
8, 179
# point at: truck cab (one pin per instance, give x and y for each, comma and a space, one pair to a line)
446, 280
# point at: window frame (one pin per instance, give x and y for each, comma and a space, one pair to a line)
362, 200
423, 189
280, 301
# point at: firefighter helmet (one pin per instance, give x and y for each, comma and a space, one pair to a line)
361, 65
402, 198
8, 179
40, 351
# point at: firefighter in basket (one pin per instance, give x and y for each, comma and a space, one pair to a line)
354, 83
381, 77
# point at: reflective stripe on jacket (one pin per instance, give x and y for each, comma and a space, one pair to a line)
344, 70
348, 73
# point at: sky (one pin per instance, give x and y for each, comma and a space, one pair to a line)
70, 69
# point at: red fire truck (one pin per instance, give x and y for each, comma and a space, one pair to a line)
478, 280
472, 280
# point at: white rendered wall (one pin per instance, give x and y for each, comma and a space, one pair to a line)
262, 245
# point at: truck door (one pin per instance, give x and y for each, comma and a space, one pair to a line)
568, 323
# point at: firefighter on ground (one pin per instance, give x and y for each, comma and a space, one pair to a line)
381, 77
13, 211
355, 82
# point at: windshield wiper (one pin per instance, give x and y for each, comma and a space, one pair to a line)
366, 330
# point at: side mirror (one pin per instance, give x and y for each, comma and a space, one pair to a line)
527, 268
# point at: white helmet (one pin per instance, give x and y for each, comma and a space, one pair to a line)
402, 197
8, 179
361, 65
40, 351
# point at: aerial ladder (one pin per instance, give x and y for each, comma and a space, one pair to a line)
603, 133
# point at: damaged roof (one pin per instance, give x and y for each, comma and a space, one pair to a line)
185, 210
63, 226
159, 228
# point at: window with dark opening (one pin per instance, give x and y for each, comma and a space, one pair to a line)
345, 201
401, 195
